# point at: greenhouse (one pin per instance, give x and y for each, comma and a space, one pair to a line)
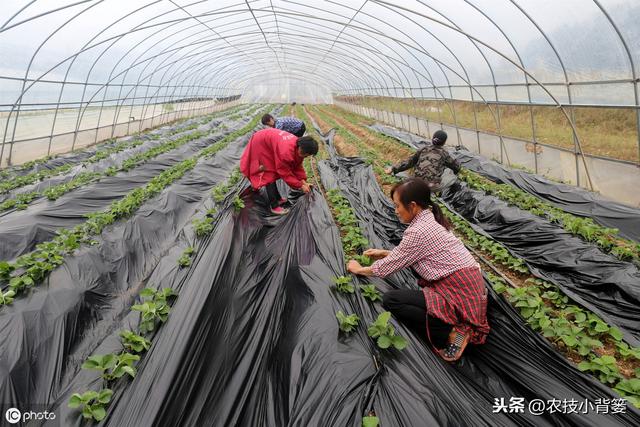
319, 213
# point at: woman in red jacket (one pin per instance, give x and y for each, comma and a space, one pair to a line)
452, 305
274, 154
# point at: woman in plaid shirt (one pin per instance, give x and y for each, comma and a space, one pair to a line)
452, 304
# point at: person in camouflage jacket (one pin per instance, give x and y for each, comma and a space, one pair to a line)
429, 162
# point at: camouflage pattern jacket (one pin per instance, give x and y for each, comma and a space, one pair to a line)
429, 163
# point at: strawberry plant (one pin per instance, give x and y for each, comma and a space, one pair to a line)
238, 204
235, 177
79, 180
219, 193
343, 284
346, 218
556, 298
352, 237
527, 299
93, 403
155, 308
5, 270
134, 342
604, 367
185, 258
20, 283
97, 221
371, 293
627, 352
112, 366
608, 239
6, 298
630, 389
386, 333
110, 171
31, 178
364, 260
347, 323
123, 365
203, 226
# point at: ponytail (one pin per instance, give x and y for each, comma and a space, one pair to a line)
418, 191
439, 216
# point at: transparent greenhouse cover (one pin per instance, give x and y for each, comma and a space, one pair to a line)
93, 54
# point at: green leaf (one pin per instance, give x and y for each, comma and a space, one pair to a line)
545, 322
167, 292
147, 293
100, 362
383, 318
527, 312
75, 401
399, 342
371, 293
584, 366
86, 412
615, 333
370, 421
92, 364
105, 396
569, 340
384, 341
98, 412
580, 317
601, 327
129, 370
347, 323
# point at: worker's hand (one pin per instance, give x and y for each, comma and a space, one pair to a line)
306, 187
389, 170
354, 266
376, 253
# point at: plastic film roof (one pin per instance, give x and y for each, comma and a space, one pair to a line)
96, 53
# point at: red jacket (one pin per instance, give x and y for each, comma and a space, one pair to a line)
277, 151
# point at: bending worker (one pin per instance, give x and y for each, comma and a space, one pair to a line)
287, 124
429, 162
452, 305
274, 154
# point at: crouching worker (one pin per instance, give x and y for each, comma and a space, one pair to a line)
429, 162
273, 154
452, 305
288, 124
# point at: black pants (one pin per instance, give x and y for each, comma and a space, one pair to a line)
273, 195
409, 307
301, 132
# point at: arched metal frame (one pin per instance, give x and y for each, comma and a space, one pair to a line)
191, 52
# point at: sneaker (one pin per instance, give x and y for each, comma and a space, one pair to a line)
279, 210
282, 201
455, 346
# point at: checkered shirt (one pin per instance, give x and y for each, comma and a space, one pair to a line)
451, 280
289, 124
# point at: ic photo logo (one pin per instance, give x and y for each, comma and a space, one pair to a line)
14, 416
